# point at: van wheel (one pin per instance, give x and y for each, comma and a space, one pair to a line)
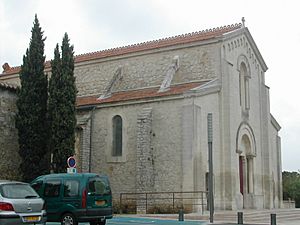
68, 219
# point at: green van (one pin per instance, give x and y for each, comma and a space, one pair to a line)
75, 197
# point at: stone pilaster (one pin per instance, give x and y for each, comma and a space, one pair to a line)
84, 124
86, 147
144, 163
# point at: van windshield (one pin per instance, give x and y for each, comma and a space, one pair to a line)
98, 186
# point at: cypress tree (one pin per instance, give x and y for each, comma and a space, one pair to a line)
62, 99
32, 108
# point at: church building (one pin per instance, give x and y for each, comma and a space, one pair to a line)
142, 115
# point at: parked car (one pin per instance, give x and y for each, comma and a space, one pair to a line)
75, 197
20, 204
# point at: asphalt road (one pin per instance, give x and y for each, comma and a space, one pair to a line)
143, 221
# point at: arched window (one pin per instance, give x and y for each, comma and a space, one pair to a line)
244, 87
117, 136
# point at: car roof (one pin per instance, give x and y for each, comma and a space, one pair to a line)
68, 175
11, 182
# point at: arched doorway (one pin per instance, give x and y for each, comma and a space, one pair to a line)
246, 166
246, 153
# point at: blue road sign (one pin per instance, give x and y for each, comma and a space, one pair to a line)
71, 162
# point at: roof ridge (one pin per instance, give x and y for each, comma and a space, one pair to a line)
190, 34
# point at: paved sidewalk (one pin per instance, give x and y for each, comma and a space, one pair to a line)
250, 217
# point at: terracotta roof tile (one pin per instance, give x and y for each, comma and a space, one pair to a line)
140, 94
165, 42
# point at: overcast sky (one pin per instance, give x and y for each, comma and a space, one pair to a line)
94, 25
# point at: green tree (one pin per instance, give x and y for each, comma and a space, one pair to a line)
62, 100
32, 108
291, 186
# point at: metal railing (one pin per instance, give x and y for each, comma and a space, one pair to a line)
162, 202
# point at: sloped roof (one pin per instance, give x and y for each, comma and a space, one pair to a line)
155, 44
141, 94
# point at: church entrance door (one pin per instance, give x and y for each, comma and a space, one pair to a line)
241, 175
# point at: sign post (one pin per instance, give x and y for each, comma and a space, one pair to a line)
210, 161
71, 161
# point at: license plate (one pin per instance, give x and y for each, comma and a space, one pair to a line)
100, 202
32, 218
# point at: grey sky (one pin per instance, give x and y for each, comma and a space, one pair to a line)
94, 25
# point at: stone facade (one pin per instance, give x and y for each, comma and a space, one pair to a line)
8, 133
163, 91
147, 70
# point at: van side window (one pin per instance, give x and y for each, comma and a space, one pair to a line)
98, 187
71, 188
37, 186
52, 188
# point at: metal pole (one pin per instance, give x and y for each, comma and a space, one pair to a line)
120, 203
146, 202
210, 161
273, 219
173, 202
181, 215
202, 203
240, 217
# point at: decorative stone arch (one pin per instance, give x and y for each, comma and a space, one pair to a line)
242, 60
243, 68
243, 131
246, 150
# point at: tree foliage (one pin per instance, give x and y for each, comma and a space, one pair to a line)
62, 99
31, 120
291, 186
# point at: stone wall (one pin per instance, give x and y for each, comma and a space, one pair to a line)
164, 135
10, 158
147, 70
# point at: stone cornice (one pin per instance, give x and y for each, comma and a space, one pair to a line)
206, 89
8, 86
275, 123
